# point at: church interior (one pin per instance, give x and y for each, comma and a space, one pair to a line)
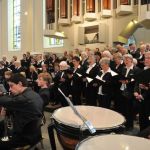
88, 60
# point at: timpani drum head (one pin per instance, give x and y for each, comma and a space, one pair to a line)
114, 142
101, 118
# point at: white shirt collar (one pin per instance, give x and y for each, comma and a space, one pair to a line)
109, 70
92, 65
131, 67
146, 67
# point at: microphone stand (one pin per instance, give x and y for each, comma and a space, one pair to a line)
86, 122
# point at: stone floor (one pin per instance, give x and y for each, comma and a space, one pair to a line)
46, 140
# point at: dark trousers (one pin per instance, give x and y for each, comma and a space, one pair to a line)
118, 104
128, 111
62, 100
76, 97
145, 133
12, 143
2, 128
91, 95
104, 101
144, 116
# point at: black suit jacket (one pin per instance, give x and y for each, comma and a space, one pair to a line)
24, 63
25, 107
63, 85
84, 64
131, 77
92, 74
77, 80
107, 84
18, 70
140, 61
45, 95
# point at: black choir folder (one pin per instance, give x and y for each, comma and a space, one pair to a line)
144, 77
2, 89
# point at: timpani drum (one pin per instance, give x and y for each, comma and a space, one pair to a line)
68, 125
114, 142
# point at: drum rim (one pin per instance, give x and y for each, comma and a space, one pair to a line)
79, 126
90, 137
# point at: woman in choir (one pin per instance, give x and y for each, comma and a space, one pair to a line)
32, 77
91, 89
2, 71
76, 81
33, 62
39, 61
62, 81
129, 74
5, 62
97, 57
53, 87
44, 80
7, 76
18, 67
118, 66
107, 54
84, 60
105, 80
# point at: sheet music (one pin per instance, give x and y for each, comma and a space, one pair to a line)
79, 74
89, 79
29, 80
113, 73
100, 78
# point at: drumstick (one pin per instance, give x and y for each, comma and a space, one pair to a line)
87, 123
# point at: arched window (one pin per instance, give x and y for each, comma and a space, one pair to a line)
131, 39
14, 25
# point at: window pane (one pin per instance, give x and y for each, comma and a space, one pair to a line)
16, 24
50, 42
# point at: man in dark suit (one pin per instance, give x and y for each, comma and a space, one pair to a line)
142, 94
84, 60
133, 50
26, 108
